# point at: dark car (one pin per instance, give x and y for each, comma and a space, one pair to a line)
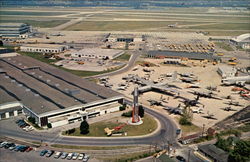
9, 145
49, 153
19, 120
19, 148
180, 158
43, 152
23, 148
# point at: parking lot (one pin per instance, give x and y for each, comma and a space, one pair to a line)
10, 151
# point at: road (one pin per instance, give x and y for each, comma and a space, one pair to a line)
161, 138
130, 64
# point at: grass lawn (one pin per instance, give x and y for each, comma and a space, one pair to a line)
90, 147
33, 13
224, 46
38, 56
123, 57
189, 129
97, 129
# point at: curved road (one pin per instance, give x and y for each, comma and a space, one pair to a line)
166, 133
130, 64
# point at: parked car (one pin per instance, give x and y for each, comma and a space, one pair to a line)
43, 152
3, 144
12, 147
19, 120
69, 157
64, 155
23, 148
86, 158
180, 158
80, 157
75, 155
29, 149
8, 145
49, 153
57, 155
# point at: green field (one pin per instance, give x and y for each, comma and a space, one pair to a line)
123, 57
97, 129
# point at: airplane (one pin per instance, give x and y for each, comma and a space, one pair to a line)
211, 88
147, 70
228, 109
163, 99
173, 25
197, 110
189, 75
239, 80
189, 102
205, 94
57, 34
154, 102
188, 80
174, 110
210, 116
121, 88
193, 86
233, 103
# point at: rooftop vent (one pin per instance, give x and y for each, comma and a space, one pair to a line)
48, 81
13, 81
40, 76
33, 73
36, 94
19, 85
20, 64
57, 85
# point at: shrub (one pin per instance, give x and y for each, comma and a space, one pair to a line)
127, 114
184, 121
32, 120
49, 125
123, 107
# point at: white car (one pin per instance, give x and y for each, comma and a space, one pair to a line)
80, 157
69, 157
57, 155
75, 155
3, 144
85, 158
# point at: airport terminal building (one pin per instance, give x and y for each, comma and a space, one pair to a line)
14, 30
51, 95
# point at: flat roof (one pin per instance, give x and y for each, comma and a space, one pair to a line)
124, 36
44, 45
52, 88
11, 24
98, 51
191, 55
5, 96
214, 152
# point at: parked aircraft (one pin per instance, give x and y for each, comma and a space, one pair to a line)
189, 102
205, 94
189, 75
239, 80
234, 103
188, 79
174, 110
211, 88
154, 102
147, 70
173, 25
228, 109
210, 116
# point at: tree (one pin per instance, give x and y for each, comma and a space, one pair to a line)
84, 127
241, 152
141, 111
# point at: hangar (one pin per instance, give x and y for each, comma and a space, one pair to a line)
51, 95
242, 40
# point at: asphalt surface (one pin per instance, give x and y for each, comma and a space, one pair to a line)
130, 64
162, 138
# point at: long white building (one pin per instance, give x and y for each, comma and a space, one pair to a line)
44, 48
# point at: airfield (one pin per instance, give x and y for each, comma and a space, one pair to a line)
204, 74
